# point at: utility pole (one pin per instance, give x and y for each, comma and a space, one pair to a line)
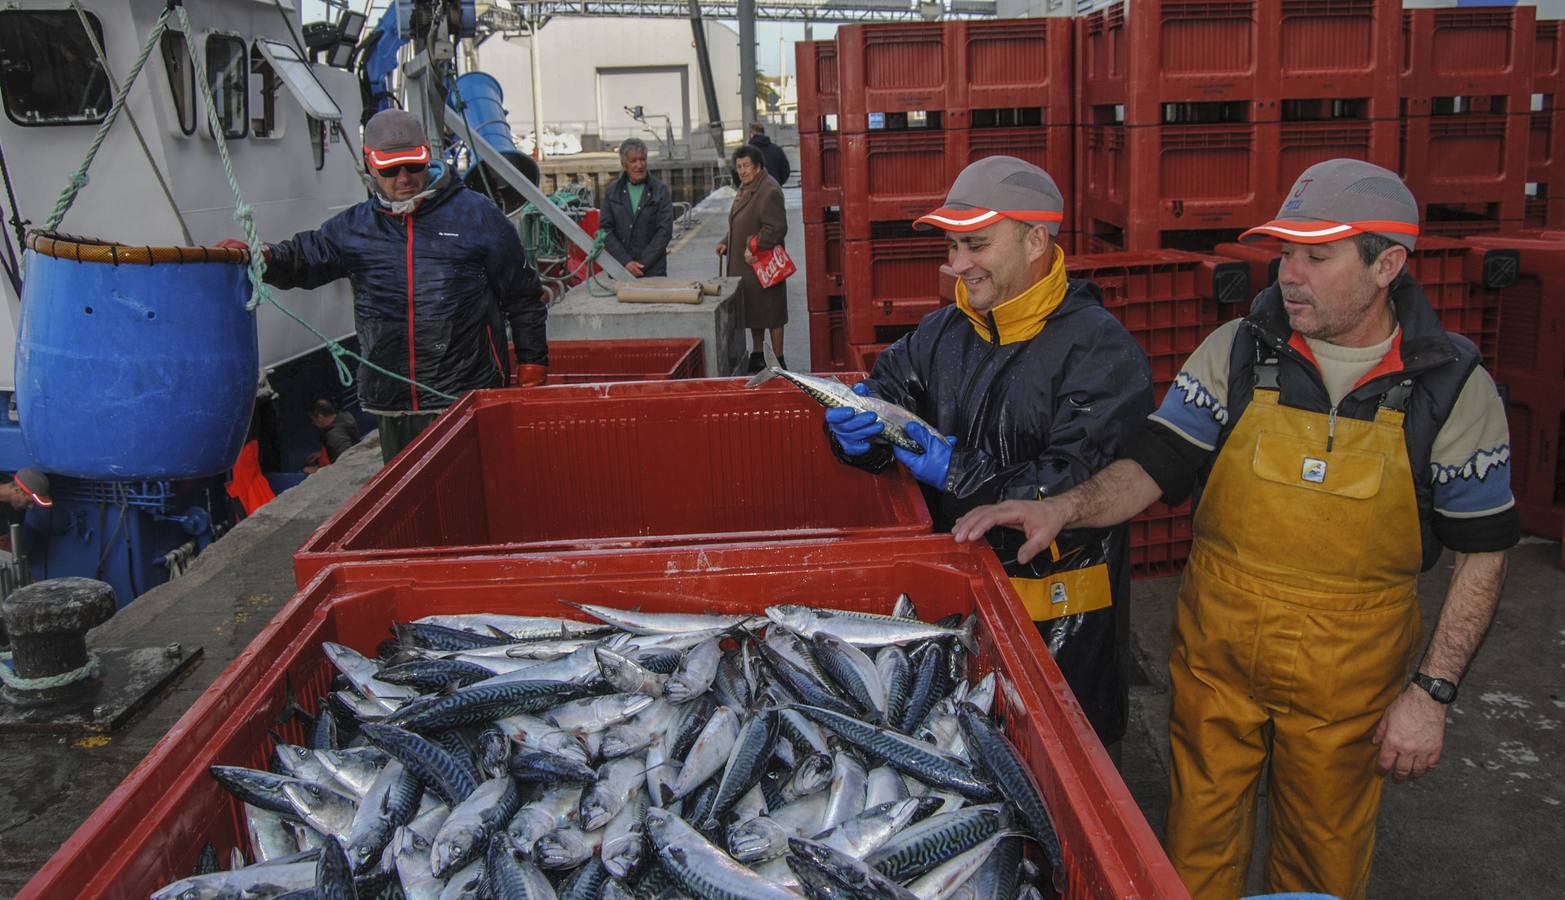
534, 51
746, 66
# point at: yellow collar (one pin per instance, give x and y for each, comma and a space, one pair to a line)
1022, 317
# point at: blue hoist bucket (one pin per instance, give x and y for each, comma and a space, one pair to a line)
134, 362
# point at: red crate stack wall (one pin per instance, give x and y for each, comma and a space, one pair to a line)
1467, 124
1197, 116
925, 99
1545, 192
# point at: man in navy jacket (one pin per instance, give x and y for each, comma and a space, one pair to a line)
637, 214
437, 272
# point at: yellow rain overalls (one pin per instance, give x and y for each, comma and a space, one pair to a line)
1296, 624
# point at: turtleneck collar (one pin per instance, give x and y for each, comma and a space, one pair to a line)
1022, 317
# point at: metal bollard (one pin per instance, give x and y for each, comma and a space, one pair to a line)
48, 624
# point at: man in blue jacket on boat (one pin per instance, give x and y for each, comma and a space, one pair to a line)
437, 271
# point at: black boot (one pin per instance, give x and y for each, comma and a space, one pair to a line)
757, 363
782, 362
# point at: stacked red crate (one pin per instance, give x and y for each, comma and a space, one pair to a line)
927, 99
1467, 125
1197, 116
1169, 301
1545, 195
1530, 366
820, 180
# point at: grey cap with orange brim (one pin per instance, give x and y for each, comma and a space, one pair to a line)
395, 137
995, 188
1340, 198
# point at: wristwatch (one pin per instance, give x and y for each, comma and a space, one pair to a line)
1443, 691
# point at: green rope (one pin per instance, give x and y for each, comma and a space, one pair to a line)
78, 178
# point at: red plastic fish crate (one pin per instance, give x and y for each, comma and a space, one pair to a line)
1467, 52
820, 174
866, 354
896, 176
1536, 410
1166, 299
582, 362
1303, 144
1478, 157
1050, 147
1014, 64
151, 829
816, 65
1545, 155
891, 282
1548, 57
893, 68
1450, 273
829, 350
543, 470
1144, 181
1164, 51
1531, 342
822, 263
1160, 540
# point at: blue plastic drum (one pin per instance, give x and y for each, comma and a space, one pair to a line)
134, 362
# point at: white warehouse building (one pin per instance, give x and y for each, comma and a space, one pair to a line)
595, 67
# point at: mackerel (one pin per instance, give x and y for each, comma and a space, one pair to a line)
930, 764
701, 869
860, 879
752, 752
624, 674
594, 714
567, 847
883, 784
251, 881
625, 838
930, 678
859, 628
333, 879
482, 703
661, 623
995, 756
513, 877
322, 808
928, 843
390, 802
587, 882
896, 676
425, 761
862, 834
522, 628
853, 671
833, 394
846, 796
697, 669
708, 754
940, 882
466, 832
361, 673
617, 781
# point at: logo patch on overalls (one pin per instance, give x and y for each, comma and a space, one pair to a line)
1057, 593
1314, 470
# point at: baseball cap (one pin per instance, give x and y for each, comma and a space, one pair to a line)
997, 187
394, 137
1340, 198
35, 483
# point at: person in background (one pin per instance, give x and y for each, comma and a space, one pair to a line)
338, 431
774, 157
757, 213
637, 215
1339, 438
1037, 385
26, 489
437, 272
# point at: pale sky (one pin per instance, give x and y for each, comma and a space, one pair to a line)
767, 34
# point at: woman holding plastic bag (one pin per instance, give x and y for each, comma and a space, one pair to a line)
757, 224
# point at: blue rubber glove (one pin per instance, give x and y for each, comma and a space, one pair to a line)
853, 430
930, 466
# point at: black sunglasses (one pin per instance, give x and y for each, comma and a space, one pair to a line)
394, 171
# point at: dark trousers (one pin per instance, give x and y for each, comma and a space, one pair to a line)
397, 432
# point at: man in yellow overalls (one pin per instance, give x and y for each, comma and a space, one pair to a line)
1345, 439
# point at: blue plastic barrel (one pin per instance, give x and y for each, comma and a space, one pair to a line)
484, 111
131, 363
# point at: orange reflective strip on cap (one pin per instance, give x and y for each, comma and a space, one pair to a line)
949, 219
1325, 232
380, 159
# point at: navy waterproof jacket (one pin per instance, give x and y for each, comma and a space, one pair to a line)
1031, 418
432, 293
641, 236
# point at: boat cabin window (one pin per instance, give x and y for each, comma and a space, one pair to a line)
301, 80
228, 69
265, 120
49, 72
181, 80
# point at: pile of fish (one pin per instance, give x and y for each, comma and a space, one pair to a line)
813, 752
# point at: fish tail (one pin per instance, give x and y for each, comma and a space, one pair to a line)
763, 376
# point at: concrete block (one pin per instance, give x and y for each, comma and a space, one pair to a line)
717, 321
